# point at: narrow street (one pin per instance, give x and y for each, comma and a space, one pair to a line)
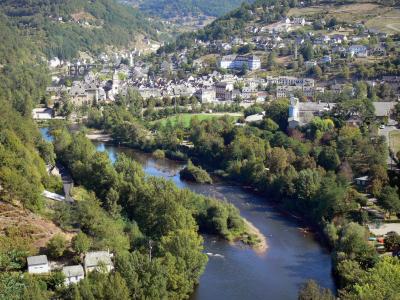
68, 183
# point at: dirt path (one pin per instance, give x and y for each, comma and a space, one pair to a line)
391, 26
98, 135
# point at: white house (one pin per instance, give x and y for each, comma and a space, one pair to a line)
73, 274
358, 50
42, 113
206, 95
38, 264
94, 261
299, 21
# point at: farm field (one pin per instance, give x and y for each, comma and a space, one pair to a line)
375, 16
186, 118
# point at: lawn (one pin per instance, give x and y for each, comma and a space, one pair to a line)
394, 140
185, 118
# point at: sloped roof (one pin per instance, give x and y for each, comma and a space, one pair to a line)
37, 260
93, 259
72, 271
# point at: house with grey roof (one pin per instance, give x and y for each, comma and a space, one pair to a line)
97, 260
73, 274
383, 110
301, 113
38, 264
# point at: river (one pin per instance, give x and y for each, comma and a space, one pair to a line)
238, 272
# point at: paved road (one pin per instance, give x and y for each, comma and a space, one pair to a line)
68, 183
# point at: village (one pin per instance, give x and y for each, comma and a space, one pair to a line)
309, 62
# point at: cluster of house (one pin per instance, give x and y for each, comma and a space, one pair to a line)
114, 58
97, 260
91, 88
276, 36
211, 88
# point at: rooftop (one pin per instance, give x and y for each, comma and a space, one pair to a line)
94, 258
383, 109
37, 260
72, 271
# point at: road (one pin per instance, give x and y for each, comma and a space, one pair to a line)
68, 183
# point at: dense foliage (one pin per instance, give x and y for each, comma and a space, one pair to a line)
123, 189
22, 151
62, 28
231, 24
194, 173
179, 8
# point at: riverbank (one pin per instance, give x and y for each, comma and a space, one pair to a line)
283, 262
99, 136
262, 246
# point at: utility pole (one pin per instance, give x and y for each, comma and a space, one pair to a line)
150, 248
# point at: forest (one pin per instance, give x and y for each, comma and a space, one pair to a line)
63, 28
182, 8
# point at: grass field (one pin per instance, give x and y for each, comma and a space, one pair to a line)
185, 118
383, 18
394, 141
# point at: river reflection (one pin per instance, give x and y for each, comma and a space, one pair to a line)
235, 271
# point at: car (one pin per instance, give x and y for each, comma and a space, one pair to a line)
382, 126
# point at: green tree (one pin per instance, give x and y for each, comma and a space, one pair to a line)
392, 242
389, 199
328, 158
312, 291
57, 245
308, 52
380, 282
116, 288
353, 245
81, 243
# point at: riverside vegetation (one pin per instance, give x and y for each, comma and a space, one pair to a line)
118, 207
194, 173
306, 171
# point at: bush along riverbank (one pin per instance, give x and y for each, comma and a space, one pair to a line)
123, 188
308, 170
194, 173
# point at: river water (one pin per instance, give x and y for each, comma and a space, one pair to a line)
236, 271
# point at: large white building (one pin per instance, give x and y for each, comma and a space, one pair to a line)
237, 61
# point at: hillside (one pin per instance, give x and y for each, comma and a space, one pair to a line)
176, 8
21, 225
377, 15
62, 28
